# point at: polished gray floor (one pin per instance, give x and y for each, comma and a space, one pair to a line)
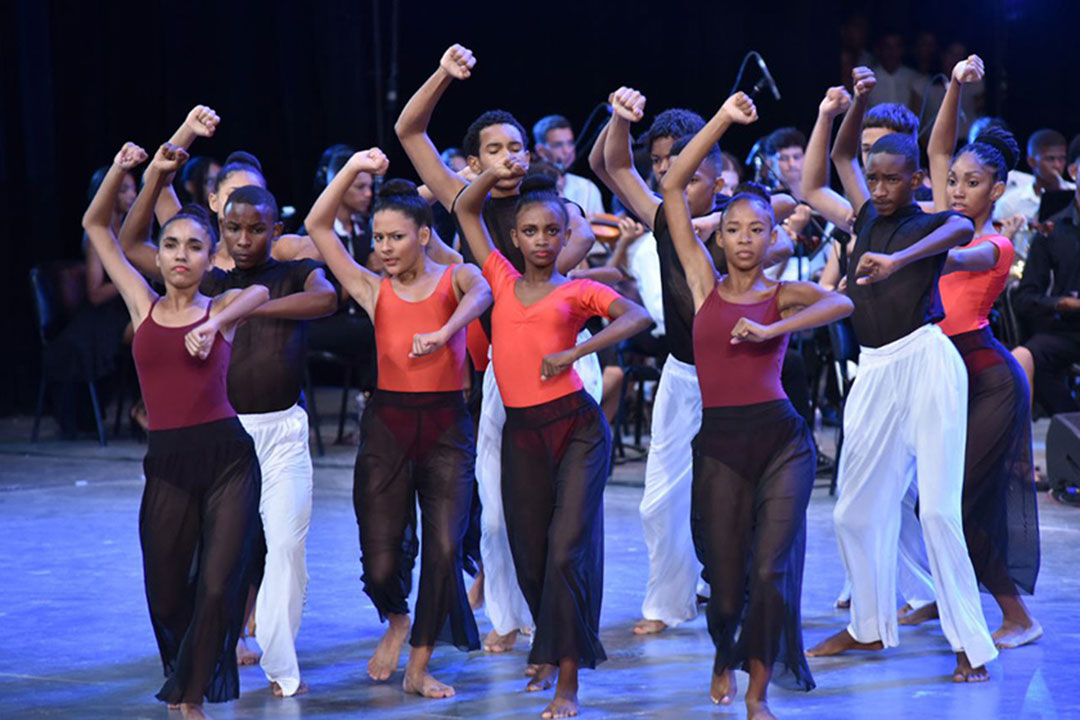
75, 639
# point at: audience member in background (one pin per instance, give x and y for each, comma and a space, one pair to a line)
897, 83
197, 180
1072, 158
784, 151
1046, 155
733, 173
454, 158
554, 140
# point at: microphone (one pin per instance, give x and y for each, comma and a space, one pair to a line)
756, 152
767, 80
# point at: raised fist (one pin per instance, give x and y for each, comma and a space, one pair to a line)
169, 158
628, 104
836, 102
509, 168
740, 109
130, 156
458, 62
372, 161
863, 80
202, 121
970, 70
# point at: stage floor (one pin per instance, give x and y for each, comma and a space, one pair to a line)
77, 641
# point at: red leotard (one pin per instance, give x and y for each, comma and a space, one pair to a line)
969, 296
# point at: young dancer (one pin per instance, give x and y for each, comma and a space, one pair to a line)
199, 524
999, 506
754, 457
492, 138
265, 380
417, 436
556, 445
897, 425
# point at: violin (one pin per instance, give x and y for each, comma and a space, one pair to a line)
606, 228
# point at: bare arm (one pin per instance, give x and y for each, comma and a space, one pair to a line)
980, 258
943, 137
874, 267
580, 240
361, 283
137, 293
815, 177
470, 206
318, 299
627, 319
411, 127
226, 312
201, 121
845, 153
135, 232
803, 305
475, 294
442, 253
631, 189
596, 159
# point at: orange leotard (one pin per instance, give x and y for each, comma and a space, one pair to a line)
968, 296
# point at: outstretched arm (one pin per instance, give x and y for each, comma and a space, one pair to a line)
361, 283
227, 311
845, 154
470, 206
317, 299
803, 306
135, 232
943, 137
629, 106
476, 297
411, 127
815, 177
875, 267
201, 121
137, 294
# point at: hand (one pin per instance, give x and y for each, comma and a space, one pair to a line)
466, 173
628, 104
863, 80
841, 287
558, 363
1043, 228
797, 221
202, 121
836, 102
578, 273
508, 169
372, 161
169, 159
874, 267
629, 230
200, 340
750, 331
130, 156
1068, 305
458, 62
739, 109
426, 343
968, 71
1011, 225
706, 225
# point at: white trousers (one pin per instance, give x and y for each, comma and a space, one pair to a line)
504, 604
281, 442
906, 420
674, 570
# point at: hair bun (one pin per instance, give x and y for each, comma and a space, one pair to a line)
197, 210
398, 187
537, 182
1003, 141
245, 158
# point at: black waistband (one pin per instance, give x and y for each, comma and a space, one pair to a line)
419, 400
744, 417
536, 416
204, 434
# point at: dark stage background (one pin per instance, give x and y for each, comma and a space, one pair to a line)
288, 79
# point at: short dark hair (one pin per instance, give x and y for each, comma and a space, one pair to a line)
997, 150
402, 195
672, 123
892, 116
1040, 140
254, 196
714, 157
900, 144
198, 215
471, 143
784, 137
195, 170
546, 124
239, 161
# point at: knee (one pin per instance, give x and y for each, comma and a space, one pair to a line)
380, 571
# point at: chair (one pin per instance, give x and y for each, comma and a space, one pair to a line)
633, 374
845, 349
55, 296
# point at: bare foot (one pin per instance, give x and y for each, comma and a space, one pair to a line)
723, 688
563, 706
839, 643
385, 660
476, 591
496, 643
303, 689
918, 617
649, 627
244, 654
531, 669
424, 684
964, 673
843, 603
174, 706
758, 710
544, 677
193, 711
1013, 635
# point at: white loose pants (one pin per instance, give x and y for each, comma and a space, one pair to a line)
906, 417
504, 604
674, 570
281, 442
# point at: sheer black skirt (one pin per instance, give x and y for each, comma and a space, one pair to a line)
555, 462
754, 469
203, 547
1001, 517
417, 446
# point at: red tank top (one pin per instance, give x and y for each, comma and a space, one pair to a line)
180, 390
397, 320
969, 296
742, 374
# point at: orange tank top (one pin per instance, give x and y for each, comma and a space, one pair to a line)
397, 320
968, 296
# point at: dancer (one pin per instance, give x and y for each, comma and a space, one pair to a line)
556, 445
493, 137
198, 524
417, 437
754, 458
999, 505
264, 384
895, 423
